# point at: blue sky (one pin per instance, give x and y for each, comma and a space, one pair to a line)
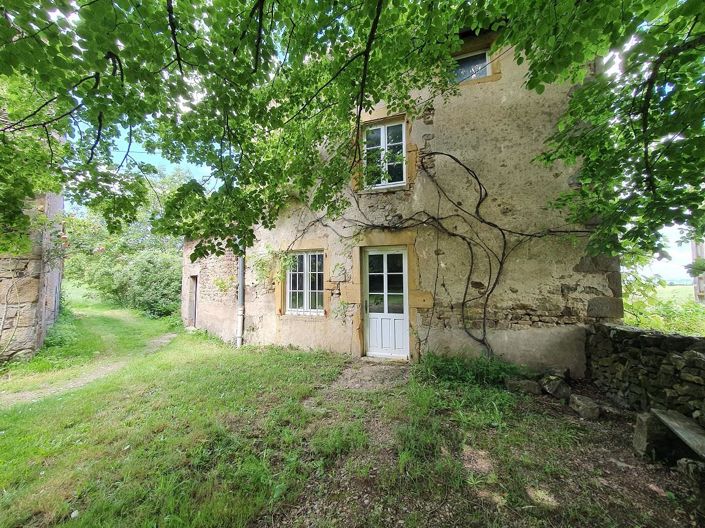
680, 256
138, 153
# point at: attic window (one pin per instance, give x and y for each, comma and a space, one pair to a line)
472, 66
384, 155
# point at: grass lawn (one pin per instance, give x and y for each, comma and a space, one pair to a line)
90, 334
680, 293
201, 434
673, 310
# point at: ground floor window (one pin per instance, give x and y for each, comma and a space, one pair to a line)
304, 284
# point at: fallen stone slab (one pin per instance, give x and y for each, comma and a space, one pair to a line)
655, 440
686, 429
585, 407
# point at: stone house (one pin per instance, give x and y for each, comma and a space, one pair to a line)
30, 290
450, 246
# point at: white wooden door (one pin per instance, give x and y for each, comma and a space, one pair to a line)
385, 303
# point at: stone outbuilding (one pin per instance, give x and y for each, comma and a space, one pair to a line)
30, 290
449, 245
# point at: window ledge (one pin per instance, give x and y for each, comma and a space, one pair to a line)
304, 316
489, 78
404, 186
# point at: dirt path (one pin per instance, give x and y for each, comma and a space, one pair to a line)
340, 492
101, 371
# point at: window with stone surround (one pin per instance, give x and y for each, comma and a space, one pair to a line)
472, 66
385, 161
304, 284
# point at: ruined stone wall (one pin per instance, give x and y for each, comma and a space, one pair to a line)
30, 291
642, 369
549, 289
216, 292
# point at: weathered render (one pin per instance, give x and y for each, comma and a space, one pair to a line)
30, 290
546, 291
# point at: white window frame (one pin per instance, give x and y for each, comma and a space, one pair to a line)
488, 62
383, 144
306, 290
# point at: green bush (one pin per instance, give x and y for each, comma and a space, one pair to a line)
148, 280
63, 331
667, 316
483, 370
133, 266
154, 283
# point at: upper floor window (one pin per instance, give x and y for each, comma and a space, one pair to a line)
384, 155
472, 66
304, 284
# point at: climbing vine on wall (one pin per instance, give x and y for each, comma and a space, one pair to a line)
487, 242
272, 264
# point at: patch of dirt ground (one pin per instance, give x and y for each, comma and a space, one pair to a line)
100, 371
593, 481
369, 375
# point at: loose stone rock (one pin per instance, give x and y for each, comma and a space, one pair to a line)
556, 387
585, 407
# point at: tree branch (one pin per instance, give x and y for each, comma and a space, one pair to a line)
127, 152
51, 150
117, 65
324, 86
258, 41
363, 80
649, 87
15, 127
98, 135
173, 26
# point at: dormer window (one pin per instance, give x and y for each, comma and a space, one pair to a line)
384, 155
472, 66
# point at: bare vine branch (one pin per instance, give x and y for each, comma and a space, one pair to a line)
477, 245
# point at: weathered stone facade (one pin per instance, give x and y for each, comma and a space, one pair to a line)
210, 285
548, 290
641, 369
30, 291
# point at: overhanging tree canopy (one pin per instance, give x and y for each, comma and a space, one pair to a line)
254, 90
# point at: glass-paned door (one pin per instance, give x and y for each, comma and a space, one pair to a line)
385, 303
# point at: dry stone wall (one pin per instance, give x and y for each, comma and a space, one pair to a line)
641, 369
